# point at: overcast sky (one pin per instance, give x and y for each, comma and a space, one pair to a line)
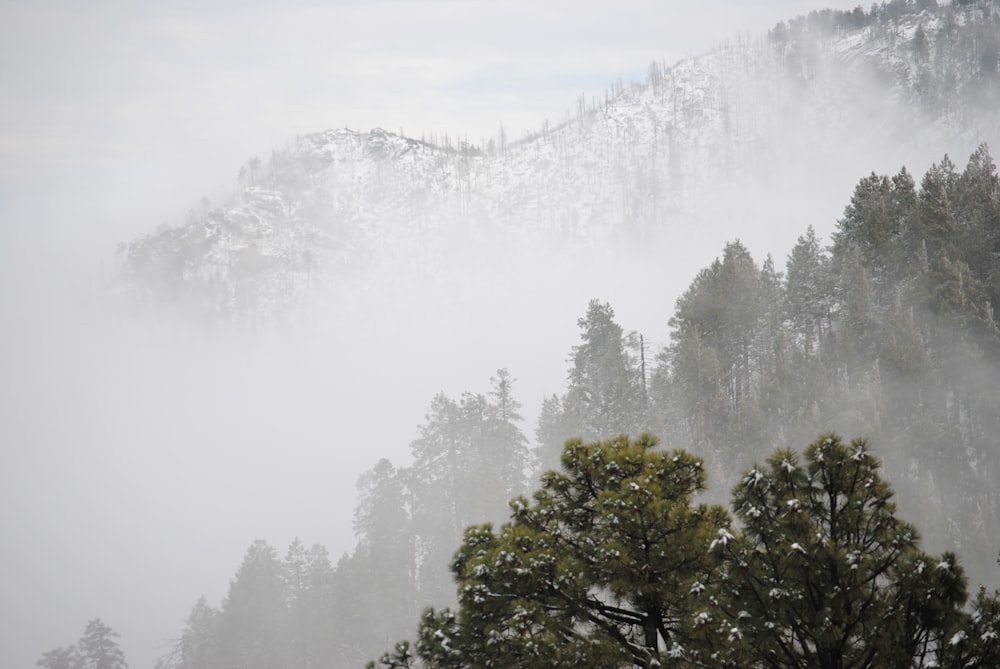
117, 116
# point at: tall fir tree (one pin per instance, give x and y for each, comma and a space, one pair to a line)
253, 623
606, 394
197, 646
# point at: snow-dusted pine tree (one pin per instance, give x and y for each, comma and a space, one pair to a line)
824, 574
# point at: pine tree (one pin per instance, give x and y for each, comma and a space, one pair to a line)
440, 459
506, 454
295, 574
383, 562
698, 389
253, 622
881, 209
975, 644
858, 335
935, 223
97, 648
599, 570
553, 430
196, 648
722, 309
317, 606
976, 204
808, 291
605, 395
824, 574
470, 459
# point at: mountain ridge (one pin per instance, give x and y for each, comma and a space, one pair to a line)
751, 120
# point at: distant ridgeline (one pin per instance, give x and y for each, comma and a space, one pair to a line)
819, 96
890, 332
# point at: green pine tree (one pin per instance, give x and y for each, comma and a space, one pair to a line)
824, 574
599, 570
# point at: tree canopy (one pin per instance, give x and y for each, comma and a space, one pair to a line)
613, 564
598, 569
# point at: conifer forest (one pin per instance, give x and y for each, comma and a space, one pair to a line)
799, 468
610, 554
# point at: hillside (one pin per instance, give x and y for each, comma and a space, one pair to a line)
747, 140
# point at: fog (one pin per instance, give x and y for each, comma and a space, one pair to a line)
140, 456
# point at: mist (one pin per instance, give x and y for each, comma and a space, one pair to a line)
142, 455
142, 452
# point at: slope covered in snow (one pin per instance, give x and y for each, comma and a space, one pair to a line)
754, 139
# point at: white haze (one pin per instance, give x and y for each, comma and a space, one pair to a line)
137, 464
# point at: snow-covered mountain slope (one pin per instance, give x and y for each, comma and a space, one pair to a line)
754, 139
